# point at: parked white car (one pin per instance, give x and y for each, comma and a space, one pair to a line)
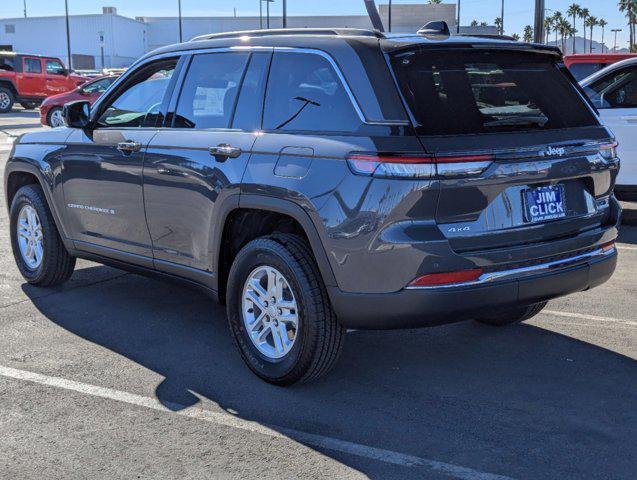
613, 90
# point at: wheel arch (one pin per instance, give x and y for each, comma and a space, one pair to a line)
9, 85
19, 173
290, 215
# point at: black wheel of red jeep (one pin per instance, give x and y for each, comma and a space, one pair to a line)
37, 247
514, 315
279, 313
6, 100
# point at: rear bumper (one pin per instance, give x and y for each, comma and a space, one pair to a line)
410, 308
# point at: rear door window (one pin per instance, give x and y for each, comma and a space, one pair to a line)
32, 65
468, 92
247, 115
210, 90
304, 92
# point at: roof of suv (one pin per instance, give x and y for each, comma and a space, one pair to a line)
323, 38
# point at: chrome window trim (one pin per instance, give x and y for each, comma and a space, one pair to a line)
518, 273
311, 51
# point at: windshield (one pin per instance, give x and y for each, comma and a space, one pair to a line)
462, 92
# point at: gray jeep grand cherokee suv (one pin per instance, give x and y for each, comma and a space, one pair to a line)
319, 180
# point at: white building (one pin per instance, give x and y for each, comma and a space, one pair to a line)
125, 39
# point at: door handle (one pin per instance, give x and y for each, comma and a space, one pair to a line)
129, 146
224, 151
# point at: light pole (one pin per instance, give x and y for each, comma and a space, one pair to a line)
25, 8
285, 13
538, 27
180, 30
101, 37
261, 14
458, 20
267, 13
68, 35
615, 31
389, 17
502, 19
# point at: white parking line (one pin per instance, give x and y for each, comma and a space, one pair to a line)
594, 318
625, 247
228, 420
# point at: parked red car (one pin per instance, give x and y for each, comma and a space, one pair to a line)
51, 108
29, 79
582, 65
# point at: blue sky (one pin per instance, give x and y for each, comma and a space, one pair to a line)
518, 13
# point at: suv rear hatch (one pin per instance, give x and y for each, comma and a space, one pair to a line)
520, 155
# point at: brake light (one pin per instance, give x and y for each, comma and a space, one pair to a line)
447, 278
609, 150
418, 166
607, 247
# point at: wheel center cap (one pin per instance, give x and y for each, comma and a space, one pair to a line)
273, 311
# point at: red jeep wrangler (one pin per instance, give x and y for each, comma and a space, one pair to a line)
29, 79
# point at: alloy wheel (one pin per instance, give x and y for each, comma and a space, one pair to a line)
57, 120
270, 312
5, 100
30, 237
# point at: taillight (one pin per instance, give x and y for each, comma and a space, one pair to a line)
447, 278
607, 247
609, 151
418, 166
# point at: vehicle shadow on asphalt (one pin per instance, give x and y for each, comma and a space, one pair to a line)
520, 401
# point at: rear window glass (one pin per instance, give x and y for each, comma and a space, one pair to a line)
7, 63
582, 70
467, 92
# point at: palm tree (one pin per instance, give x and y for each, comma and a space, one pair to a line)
474, 23
591, 22
584, 14
574, 11
435, 2
630, 8
484, 24
602, 23
557, 19
515, 37
528, 34
564, 28
498, 23
548, 28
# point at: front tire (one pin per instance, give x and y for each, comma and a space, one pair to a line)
37, 247
6, 100
514, 315
275, 288
54, 118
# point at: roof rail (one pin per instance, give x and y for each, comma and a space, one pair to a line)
292, 31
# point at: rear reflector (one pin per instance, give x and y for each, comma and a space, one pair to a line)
607, 247
448, 278
417, 166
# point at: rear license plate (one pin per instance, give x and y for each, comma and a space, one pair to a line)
544, 203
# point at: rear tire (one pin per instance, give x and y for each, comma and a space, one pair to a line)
53, 265
514, 315
316, 338
6, 100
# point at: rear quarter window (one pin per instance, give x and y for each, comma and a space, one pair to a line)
467, 92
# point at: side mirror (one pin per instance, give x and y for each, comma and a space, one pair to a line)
77, 114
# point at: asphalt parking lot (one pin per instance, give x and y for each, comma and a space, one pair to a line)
114, 375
